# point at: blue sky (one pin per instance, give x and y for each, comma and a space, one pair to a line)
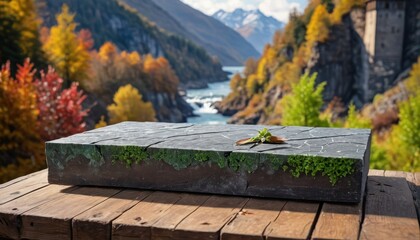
276, 8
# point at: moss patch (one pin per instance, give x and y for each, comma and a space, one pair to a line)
62, 153
128, 155
248, 162
333, 168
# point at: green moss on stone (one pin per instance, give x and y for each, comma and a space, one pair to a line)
276, 162
177, 158
333, 168
59, 154
237, 161
128, 154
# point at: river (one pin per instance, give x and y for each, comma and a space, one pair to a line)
202, 99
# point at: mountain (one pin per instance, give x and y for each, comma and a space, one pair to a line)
253, 25
113, 20
218, 39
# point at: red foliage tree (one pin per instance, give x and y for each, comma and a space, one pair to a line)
60, 112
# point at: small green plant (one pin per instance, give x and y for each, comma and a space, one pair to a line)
263, 136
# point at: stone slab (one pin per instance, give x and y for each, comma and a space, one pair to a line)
205, 159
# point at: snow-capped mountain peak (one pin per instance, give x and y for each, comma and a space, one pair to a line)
256, 27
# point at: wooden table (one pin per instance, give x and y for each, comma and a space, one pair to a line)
32, 208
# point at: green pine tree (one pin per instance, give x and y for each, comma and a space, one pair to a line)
303, 105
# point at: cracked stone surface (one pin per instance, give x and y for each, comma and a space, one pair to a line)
326, 142
67, 166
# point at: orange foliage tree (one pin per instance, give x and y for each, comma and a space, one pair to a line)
161, 74
21, 150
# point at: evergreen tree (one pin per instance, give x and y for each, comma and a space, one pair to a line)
354, 120
67, 52
129, 106
302, 106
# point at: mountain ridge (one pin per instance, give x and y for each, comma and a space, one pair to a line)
231, 49
253, 25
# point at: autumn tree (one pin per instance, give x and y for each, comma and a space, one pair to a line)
302, 106
60, 111
20, 143
129, 106
19, 35
318, 27
66, 51
163, 77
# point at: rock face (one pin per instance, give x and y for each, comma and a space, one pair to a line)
205, 159
342, 61
112, 20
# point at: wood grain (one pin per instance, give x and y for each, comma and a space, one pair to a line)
52, 220
338, 221
252, 220
207, 221
23, 187
95, 223
294, 222
389, 212
137, 222
10, 212
19, 179
165, 226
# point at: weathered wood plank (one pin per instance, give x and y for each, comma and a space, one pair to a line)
11, 211
52, 220
389, 212
252, 220
23, 187
19, 179
207, 221
165, 226
295, 221
338, 221
95, 223
209, 161
136, 222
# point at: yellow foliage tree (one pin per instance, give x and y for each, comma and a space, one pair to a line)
344, 6
66, 51
129, 106
318, 26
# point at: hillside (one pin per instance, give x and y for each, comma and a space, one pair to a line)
253, 25
331, 41
219, 40
111, 20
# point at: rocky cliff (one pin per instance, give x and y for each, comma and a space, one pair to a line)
342, 61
